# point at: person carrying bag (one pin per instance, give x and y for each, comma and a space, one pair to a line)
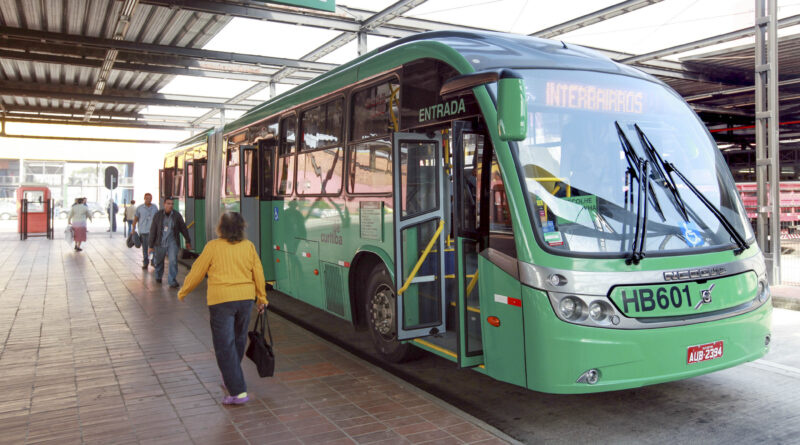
259, 351
235, 276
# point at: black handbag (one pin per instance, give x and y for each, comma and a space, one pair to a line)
259, 351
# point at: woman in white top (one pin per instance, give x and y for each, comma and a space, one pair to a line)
78, 215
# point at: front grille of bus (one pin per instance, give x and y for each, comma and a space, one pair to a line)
334, 295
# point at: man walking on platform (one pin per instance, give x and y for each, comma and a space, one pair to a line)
144, 219
112, 210
130, 215
164, 240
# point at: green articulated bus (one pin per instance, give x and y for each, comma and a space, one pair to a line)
522, 207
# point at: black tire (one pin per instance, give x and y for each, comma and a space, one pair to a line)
380, 309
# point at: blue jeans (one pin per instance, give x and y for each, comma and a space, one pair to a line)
127, 227
171, 251
229, 322
145, 248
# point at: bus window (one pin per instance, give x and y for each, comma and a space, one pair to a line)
370, 167
473, 171
177, 184
232, 171
418, 178
375, 111
250, 175
200, 191
319, 163
501, 233
286, 149
321, 126
190, 180
267, 140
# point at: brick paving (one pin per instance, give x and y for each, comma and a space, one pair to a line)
94, 351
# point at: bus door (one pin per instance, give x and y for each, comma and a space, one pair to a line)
468, 157
267, 150
188, 193
200, 171
249, 202
419, 221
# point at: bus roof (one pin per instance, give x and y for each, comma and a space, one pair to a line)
466, 51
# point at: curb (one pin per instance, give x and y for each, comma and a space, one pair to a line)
405, 384
786, 303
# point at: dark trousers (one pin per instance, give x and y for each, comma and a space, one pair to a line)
229, 322
145, 255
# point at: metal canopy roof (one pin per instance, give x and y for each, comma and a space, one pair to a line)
101, 62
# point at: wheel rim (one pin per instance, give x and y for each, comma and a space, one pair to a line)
381, 311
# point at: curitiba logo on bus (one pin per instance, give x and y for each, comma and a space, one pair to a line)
441, 111
334, 237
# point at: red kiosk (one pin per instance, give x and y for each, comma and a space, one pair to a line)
34, 211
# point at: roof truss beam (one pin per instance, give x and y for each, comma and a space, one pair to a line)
218, 72
702, 43
594, 17
391, 12
133, 94
138, 47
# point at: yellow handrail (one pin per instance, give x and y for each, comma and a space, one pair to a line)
190, 225
472, 283
422, 258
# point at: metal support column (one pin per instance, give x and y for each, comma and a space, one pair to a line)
767, 143
362, 43
272, 90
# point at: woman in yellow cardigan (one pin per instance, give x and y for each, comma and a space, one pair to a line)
235, 279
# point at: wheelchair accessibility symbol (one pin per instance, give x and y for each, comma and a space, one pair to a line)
275, 213
691, 234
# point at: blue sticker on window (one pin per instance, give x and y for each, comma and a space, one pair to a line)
275, 213
691, 233
548, 227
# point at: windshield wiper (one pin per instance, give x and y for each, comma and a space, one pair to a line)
669, 167
664, 172
637, 168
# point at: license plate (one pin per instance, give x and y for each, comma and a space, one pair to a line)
701, 353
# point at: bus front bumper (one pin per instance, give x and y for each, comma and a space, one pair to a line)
558, 353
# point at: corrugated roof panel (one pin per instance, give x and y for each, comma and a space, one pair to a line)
31, 15
9, 14
96, 15
54, 15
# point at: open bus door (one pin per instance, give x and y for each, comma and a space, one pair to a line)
200, 169
470, 236
250, 205
266, 156
419, 221
189, 193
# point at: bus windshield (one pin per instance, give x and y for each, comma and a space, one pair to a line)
583, 188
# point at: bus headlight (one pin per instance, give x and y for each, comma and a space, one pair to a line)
599, 311
587, 310
571, 308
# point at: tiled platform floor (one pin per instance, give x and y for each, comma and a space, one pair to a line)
94, 351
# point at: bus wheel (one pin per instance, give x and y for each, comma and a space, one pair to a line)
381, 313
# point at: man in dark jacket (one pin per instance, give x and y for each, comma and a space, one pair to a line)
164, 240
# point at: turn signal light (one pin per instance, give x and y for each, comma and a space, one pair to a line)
316, 271
494, 321
277, 260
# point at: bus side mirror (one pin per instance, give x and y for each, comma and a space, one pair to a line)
512, 109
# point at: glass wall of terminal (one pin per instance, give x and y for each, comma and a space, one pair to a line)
67, 181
